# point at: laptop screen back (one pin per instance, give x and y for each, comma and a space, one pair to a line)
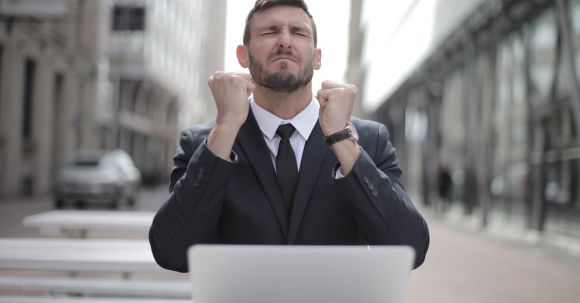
299, 274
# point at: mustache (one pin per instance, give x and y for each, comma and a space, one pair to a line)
285, 53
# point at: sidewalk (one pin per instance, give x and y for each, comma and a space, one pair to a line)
467, 266
13, 210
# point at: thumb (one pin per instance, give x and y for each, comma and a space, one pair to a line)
323, 96
250, 88
328, 84
246, 76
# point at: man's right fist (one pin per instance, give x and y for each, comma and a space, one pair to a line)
230, 93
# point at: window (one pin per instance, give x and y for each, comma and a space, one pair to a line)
128, 18
543, 41
29, 75
58, 120
575, 17
1, 58
510, 133
2, 113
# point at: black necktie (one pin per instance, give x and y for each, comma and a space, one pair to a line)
286, 170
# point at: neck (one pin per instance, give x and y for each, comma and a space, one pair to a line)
284, 105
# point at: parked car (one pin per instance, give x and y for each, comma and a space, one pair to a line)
107, 178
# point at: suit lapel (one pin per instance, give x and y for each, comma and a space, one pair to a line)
251, 142
313, 162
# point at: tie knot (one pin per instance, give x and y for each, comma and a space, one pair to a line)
285, 130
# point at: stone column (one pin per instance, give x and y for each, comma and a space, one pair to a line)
43, 126
87, 111
69, 133
11, 122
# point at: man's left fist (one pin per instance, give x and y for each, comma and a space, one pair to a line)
336, 105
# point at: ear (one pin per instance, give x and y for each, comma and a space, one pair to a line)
243, 56
317, 59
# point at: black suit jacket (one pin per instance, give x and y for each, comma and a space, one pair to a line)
238, 202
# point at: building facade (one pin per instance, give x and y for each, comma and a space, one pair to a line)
486, 115
79, 74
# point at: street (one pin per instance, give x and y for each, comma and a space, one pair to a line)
461, 266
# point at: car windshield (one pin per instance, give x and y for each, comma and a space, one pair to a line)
92, 160
86, 162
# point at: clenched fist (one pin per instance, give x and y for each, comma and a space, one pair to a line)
230, 93
336, 105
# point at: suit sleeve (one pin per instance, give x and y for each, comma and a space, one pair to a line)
381, 206
191, 213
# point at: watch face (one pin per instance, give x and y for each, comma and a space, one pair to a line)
353, 131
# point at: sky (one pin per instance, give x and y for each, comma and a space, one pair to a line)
396, 43
332, 25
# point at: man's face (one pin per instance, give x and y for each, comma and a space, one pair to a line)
281, 51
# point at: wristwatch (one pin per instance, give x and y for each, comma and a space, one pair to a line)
349, 132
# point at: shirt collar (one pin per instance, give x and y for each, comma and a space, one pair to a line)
304, 122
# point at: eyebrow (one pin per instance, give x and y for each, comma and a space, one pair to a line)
299, 28
293, 28
272, 27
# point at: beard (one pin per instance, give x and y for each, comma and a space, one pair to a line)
281, 81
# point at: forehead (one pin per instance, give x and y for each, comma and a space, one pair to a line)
281, 15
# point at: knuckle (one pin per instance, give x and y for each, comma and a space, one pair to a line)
352, 89
233, 78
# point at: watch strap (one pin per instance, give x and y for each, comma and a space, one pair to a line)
338, 136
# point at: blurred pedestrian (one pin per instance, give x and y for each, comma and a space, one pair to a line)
444, 186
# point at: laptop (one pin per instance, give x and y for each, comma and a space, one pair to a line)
299, 274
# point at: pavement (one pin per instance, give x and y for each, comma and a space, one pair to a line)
473, 266
463, 265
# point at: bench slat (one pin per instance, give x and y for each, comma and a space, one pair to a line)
77, 255
90, 220
94, 286
13, 299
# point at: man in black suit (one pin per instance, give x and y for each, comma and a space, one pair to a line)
280, 166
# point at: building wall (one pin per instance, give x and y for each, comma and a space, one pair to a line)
496, 103
182, 60
161, 76
93, 88
355, 70
399, 36
30, 156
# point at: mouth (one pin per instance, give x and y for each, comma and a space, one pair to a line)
283, 58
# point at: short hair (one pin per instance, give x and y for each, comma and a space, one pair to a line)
262, 5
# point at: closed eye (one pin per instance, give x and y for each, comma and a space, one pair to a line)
271, 30
297, 30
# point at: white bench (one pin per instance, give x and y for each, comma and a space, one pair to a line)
78, 223
98, 286
5, 299
77, 255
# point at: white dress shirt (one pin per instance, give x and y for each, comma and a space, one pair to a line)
304, 123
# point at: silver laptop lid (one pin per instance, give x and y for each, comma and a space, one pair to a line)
299, 274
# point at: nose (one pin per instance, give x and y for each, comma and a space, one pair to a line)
284, 40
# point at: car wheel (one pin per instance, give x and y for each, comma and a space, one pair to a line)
59, 203
114, 204
131, 202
